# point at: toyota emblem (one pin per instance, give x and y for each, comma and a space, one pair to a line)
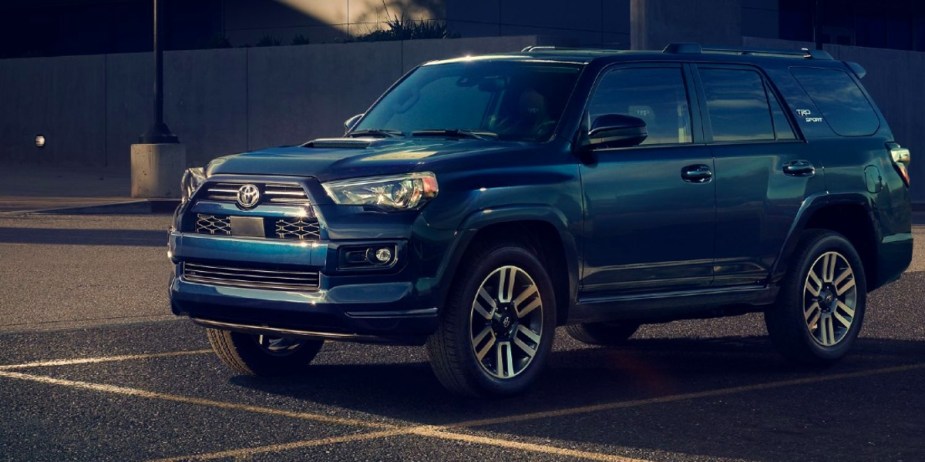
248, 196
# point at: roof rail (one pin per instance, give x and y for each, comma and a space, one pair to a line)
696, 48
539, 48
529, 48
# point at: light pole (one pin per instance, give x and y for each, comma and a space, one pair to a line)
159, 132
158, 160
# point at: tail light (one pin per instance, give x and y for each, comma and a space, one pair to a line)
901, 158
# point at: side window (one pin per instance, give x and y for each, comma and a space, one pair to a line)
737, 104
656, 95
839, 99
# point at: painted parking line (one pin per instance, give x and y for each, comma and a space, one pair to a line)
196, 401
250, 452
445, 431
437, 432
684, 396
103, 359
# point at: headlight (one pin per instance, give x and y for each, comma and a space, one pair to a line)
400, 192
192, 179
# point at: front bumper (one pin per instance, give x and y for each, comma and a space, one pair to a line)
369, 306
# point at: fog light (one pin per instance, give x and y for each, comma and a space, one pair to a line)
40, 141
384, 255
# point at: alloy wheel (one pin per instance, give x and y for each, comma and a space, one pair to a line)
830, 298
506, 322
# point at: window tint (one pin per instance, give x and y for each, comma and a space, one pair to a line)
737, 104
656, 95
839, 100
515, 100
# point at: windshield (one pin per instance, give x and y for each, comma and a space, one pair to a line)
483, 99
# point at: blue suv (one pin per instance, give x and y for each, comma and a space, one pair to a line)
481, 202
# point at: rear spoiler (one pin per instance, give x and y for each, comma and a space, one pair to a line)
856, 68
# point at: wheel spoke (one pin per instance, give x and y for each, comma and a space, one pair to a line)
816, 285
527, 309
529, 350
505, 360
847, 309
506, 284
477, 306
525, 295
481, 352
486, 297
533, 336
827, 331
841, 290
813, 309
841, 319
828, 267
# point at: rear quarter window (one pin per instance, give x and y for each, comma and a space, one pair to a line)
839, 99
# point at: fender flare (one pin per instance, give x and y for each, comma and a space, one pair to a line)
481, 219
808, 208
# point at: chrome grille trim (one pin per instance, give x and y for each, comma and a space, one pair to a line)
213, 224
274, 193
251, 278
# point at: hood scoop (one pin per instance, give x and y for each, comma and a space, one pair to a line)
340, 143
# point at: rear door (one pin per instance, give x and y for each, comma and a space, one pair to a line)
763, 170
649, 223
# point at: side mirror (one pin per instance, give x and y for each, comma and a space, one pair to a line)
616, 131
349, 123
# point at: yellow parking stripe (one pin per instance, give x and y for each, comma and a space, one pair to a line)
436, 432
683, 397
189, 400
104, 359
250, 452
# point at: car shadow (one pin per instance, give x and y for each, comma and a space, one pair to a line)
631, 395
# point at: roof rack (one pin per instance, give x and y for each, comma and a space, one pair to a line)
696, 48
540, 48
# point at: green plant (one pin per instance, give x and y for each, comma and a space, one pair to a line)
267, 41
399, 27
219, 41
300, 40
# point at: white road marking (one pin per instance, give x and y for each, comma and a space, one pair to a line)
104, 359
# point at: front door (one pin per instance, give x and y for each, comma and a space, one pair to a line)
650, 209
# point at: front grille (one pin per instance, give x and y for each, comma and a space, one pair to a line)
249, 277
271, 193
303, 229
213, 224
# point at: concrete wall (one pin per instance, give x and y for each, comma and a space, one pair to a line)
575, 22
92, 108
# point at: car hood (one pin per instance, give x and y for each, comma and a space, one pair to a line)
337, 158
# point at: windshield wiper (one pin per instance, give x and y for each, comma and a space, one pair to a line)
376, 132
456, 133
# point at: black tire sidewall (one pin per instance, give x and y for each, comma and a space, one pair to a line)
788, 326
460, 306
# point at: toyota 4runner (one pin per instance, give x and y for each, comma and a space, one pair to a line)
481, 202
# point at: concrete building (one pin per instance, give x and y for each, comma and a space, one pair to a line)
31, 28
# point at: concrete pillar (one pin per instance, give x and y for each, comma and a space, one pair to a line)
656, 23
157, 169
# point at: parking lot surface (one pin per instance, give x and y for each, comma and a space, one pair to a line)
93, 367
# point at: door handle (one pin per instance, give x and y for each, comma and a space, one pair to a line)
799, 168
697, 173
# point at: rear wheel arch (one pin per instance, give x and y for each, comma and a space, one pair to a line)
849, 215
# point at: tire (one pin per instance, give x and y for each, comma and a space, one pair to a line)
602, 333
261, 355
491, 341
820, 309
